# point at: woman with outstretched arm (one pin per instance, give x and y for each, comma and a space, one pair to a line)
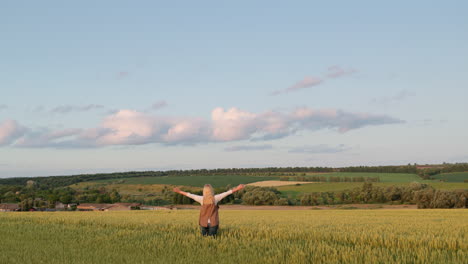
209, 219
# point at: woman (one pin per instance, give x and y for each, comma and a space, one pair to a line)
209, 219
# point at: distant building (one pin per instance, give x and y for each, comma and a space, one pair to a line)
93, 207
150, 207
124, 206
60, 206
9, 207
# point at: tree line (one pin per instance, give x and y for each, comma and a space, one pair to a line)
30, 197
429, 171
423, 195
62, 181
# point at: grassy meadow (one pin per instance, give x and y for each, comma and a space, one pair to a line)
196, 181
315, 236
452, 177
223, 180
147, 187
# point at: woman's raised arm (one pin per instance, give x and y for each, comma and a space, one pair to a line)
177, 190
197, 198
221, 196
238, 188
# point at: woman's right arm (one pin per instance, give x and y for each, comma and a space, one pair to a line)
197, 198
177, 190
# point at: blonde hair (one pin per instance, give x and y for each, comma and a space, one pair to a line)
208, 194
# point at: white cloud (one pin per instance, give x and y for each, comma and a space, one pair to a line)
130, 127
233, 124
126, 127
187, 131
10, 130
337, 71
46, 138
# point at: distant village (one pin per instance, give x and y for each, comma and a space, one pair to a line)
15, 207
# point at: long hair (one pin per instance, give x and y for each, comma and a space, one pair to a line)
208, 194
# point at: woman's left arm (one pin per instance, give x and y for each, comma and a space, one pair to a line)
238, 188
221, 196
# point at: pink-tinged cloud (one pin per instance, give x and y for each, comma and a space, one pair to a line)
305, 83
46, 138
159, 104
63, 109
130, 127
233, 124
337, 71
126, 127
187, 131
332, 72
122, 74
10, 130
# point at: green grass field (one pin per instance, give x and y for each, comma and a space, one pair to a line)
223, 180
452, 177
324, 236
197, 181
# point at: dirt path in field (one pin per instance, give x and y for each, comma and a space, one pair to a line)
277, 183
335, 207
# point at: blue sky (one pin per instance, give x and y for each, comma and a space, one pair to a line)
117, 85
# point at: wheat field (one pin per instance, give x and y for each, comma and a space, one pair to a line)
315, 236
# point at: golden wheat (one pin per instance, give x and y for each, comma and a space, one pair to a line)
328, 236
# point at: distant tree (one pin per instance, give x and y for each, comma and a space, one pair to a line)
30, 183
114, 196
260, 196
66, 199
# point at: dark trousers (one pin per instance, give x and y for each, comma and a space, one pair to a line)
209, 231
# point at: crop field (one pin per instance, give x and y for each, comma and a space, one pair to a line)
452, 177
276, 183
223, 180
384, 177
315, 236
197, 181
